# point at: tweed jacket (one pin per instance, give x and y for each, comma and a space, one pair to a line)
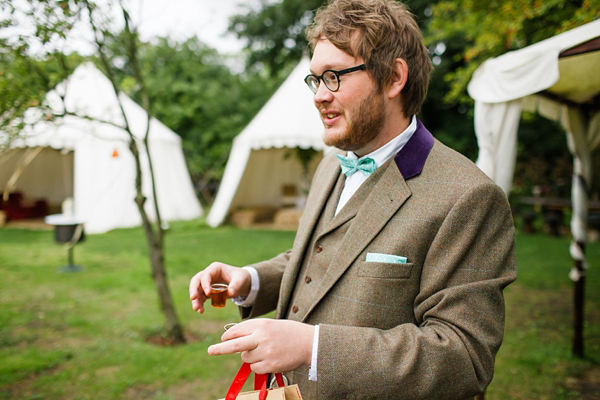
425, 329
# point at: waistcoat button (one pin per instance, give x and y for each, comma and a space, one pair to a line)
295, 309
307, 279
319, 248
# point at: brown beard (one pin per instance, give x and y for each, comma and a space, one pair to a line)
365, 126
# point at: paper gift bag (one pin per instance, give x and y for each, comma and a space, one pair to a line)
260, 385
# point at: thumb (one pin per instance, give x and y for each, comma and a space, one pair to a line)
240, 284
234, 288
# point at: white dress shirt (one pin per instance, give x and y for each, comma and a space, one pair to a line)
351, 185
381, 155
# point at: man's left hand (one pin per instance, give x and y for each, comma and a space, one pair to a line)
268, 345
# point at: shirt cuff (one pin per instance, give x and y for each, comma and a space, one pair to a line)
312, 370
248, 301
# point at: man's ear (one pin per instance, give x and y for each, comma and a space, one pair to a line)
399, 78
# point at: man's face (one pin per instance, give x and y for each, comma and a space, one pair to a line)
354, 115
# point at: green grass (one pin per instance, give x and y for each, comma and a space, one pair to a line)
83, 335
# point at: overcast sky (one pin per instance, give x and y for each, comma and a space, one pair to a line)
177, 19
181, 19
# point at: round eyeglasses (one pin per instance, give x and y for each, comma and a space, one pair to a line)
330, 77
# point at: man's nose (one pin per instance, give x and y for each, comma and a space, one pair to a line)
323, 94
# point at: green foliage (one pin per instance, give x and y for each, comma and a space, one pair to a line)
275, 36
543, 158
491, 28
188, 85
194, 92
275, 32
24, 82
31, 58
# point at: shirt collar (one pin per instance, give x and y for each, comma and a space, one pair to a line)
388, 150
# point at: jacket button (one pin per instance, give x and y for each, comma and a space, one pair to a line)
319, 248
307, 279
295, 309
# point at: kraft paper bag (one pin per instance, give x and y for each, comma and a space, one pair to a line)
291, 392
285, 393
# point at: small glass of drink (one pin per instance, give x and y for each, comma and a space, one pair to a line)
229, 325
218, 295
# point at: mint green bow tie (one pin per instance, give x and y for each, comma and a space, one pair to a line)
350, 165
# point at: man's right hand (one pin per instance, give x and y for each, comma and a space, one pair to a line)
238, 279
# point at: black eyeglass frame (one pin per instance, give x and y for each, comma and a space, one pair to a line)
316, 79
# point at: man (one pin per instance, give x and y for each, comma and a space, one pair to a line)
393, 287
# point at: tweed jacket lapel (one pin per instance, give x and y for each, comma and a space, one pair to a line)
387, 195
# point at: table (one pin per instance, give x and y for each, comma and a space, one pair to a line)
67, 229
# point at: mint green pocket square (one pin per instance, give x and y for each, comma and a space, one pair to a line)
385, 258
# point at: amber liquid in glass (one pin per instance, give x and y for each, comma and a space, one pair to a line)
218, 296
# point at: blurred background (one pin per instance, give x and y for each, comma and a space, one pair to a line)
120, 325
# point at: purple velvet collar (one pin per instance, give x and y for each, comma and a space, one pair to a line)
411, 159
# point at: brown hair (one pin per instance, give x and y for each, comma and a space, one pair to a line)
387, 30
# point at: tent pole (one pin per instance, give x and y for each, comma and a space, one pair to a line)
578, 300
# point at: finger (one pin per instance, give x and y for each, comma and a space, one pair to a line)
234, 287
236, 282
194, 285
250, 357
260, 367
214, 273
232, 346
240, 283
198, 303
197, 295
205, 281
242, 329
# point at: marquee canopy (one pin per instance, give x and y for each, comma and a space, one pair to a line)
90, 161
257, 166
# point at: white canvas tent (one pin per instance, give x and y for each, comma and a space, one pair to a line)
90, 161
560, 79
257, 168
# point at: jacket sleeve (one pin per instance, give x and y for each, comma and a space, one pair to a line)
459, 311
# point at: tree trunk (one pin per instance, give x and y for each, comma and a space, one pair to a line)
154, 238
159, 274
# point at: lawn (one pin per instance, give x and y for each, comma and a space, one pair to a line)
83, 335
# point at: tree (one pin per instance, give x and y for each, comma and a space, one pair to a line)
275, 37
491, 28
488, 29
52, 22
198, 96
194, 92
24, 80
275, 32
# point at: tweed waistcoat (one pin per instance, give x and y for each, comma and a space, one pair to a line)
315, 260
324, 244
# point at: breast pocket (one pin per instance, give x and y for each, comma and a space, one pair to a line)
388, 271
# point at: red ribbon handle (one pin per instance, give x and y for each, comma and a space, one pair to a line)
260, 383
279, 380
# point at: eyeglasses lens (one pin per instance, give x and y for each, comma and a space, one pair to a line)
331, 80
312, 82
